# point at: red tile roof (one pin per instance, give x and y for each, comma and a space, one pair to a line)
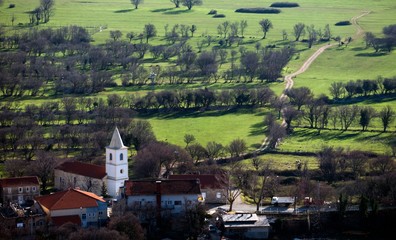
83, 169
169, 187
207, 181
19, 181
69, 199
59, 221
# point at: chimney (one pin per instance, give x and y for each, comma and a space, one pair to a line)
158, 199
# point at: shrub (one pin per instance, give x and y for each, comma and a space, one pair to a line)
343, 23
258, 10
12, 5
284, 5
219, 16
212, 12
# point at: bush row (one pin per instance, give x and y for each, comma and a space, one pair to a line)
258, 10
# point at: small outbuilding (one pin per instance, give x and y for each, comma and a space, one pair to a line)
246, 226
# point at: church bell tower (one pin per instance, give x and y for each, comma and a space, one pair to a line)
116, 164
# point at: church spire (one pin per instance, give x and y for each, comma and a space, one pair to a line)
116, 141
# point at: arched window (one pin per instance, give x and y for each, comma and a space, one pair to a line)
121, 156
122, 171
111, 157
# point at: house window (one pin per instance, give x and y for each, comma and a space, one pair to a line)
20, 190
9, 190
83, 216
27, 189
169, 202
111, 156
218, 195
33, 189
178, 203
100, 213
121, 156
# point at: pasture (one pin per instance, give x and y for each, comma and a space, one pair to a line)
336, 64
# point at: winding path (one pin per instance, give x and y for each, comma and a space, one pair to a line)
289, 78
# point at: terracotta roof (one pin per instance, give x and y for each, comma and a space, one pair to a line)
59, 221
83, 169
19, 181
116, 141
169, 187
207, 181
69, 199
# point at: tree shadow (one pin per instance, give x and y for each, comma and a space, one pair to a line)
374, 54
358, 49
177, 12
162, 10
124, 11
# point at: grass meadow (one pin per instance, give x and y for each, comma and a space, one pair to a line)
336, 64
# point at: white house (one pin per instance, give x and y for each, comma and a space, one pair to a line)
172, 196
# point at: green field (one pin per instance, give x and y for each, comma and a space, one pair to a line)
336, 64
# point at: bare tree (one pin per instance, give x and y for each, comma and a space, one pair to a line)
312, 35
237, 147
243, 24
115, 35
136, 3
43, 167
366, 115
176, 2
47, 8
387, 116
266, 25
149, 31
190, 3
299, 30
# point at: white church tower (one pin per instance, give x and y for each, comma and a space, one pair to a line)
116, 164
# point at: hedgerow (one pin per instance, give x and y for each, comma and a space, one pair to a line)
284, 5
343, 23
258, 10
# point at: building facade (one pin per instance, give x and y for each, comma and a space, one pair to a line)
74, 203
170, 196
214, 187
19, 189
88, 177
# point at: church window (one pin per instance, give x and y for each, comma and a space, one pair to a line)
121, 157
122, 171
20, 190
111, 156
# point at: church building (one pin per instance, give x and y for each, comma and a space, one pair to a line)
95, 178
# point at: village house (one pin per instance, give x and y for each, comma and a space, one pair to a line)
213, 186
165, 196
19, 189
74, 205
18, 220
95, 178
246, 226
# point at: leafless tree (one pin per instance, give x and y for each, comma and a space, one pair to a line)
176, 2
47, 8
190, 3
299, 30
136, 3
43, 167
387, 115
266, 25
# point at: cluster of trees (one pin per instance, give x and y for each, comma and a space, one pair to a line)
339, 90
318, 113
385, 43
64, 59
43, 12
187, 3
